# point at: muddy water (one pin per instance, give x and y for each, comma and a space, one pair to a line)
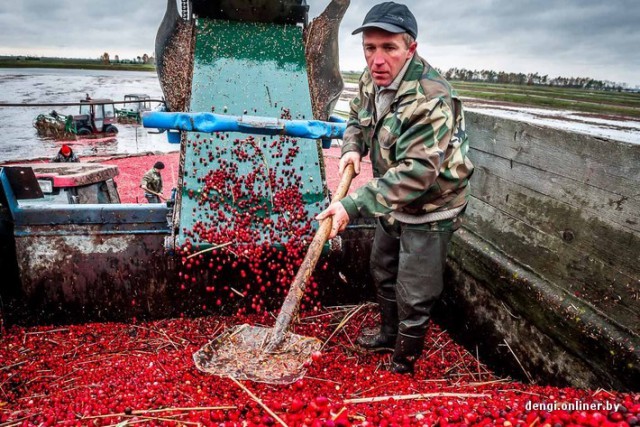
18, 137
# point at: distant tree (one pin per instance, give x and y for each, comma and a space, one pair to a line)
105, 58
502, 77
145, 58
533, 79
138, 59
449, 74
468, 75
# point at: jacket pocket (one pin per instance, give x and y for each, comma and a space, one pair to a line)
365, 121
386, 139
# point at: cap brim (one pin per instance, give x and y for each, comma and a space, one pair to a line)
382, 25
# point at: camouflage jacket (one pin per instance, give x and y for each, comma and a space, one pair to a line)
418, 147
152, 180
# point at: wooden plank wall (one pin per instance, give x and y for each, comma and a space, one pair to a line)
564, 207
564, 204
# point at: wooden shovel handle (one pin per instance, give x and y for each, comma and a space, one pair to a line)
292, 301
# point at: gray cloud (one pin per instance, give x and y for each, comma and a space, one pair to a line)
556, 37
66, 26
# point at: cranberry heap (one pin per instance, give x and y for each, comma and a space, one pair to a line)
126, 374
132, 168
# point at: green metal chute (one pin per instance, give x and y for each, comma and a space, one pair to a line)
240, 68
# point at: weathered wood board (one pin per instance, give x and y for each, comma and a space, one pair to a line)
564, 208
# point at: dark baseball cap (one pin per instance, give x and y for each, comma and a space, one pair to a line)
391, 17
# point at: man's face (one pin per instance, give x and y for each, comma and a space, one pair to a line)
386, 54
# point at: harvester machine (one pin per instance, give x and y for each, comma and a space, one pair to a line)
96, 117
253, 84
243, 69
260, 62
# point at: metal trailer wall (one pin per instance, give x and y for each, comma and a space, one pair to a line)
109, 262
90, 272
547, 267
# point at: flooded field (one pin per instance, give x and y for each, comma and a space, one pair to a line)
21, 142
19, 138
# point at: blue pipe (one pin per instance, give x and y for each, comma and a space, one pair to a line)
211, 122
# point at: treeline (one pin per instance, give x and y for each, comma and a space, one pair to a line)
490, 76
144, 59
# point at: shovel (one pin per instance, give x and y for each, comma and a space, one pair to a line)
272, 355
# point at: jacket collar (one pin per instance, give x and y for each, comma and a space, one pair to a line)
411, 79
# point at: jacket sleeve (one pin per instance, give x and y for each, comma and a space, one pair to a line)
419, 150
145, 181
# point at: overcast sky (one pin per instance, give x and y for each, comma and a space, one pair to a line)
594, 38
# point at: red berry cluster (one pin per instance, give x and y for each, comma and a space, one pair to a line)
246, 202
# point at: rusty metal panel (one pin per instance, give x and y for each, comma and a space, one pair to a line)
74, 273
23, 182
78, 272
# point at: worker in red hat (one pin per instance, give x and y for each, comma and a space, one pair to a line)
65, 155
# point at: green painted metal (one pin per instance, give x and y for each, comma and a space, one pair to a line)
248, 68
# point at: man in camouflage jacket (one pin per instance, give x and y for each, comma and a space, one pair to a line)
410, 121
152, 183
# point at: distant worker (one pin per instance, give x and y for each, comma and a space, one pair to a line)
65, 155
152, 184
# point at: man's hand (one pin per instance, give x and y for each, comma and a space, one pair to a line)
153, 192
350, 157
339, 216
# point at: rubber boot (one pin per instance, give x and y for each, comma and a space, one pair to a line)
384, 337
384, 271
406, 352
419, 285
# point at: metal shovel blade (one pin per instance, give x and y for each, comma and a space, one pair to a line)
239, 353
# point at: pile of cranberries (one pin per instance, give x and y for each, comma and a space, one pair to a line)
132, 168
126, 374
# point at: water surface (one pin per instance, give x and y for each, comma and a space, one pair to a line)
18, 137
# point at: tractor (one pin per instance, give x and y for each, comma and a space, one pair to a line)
96, 116
136, 104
